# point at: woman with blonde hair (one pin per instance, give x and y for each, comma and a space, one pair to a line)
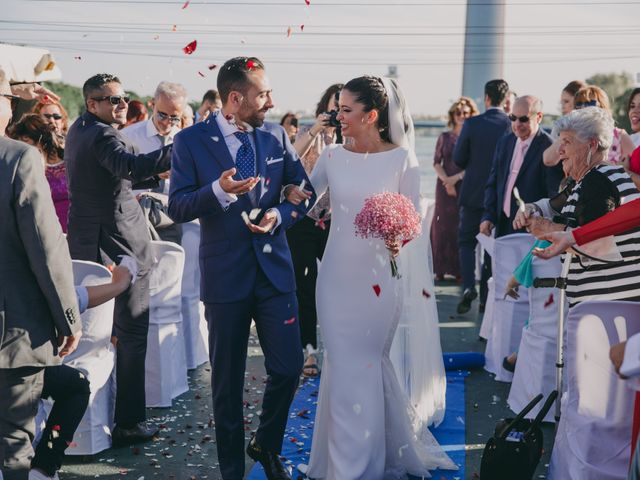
32, 129
444, 228
53, 113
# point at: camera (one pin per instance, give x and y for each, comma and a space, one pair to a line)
333, 118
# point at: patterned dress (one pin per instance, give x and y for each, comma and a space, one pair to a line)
444, 228
57, 178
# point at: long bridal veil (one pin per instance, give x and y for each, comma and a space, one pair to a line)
416, 353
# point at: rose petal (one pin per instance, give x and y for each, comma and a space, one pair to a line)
212, 66
201, 74
250, 64
186, 4
308, 2
549, 301
174, 28
290, 321
376, 288
190, 47
425, 294
302, 27
289, 32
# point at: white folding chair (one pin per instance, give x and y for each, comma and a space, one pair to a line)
509, 315
95, 358
535, 370
594, 434
196, 332
165, 365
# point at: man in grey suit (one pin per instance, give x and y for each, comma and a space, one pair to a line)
39, 318
106, 220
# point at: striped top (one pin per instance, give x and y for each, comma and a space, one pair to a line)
602, 189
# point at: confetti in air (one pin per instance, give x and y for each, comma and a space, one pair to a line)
266, 248
289, 32
308, 2
290, 321
78, 58
174, 28
425, 294
186, 4
376, 289
190, 48
201, 74
302, 27
549, 301
213, 66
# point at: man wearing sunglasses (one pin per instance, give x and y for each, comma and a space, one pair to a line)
517, 163
106, 222
39, 317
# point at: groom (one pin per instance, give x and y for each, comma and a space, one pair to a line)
224, 171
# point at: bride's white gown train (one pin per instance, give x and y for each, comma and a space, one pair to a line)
364, 426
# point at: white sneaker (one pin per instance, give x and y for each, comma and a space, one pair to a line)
38, 475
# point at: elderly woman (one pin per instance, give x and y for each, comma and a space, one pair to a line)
585, 137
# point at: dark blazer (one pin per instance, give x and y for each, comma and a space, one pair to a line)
37, 298
229, 252
474, 153
104, 214
534, 181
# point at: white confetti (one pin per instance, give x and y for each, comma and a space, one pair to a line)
357, 408
215, 139
266, 248
306, 271
253, 214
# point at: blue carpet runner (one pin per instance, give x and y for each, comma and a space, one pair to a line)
297, 443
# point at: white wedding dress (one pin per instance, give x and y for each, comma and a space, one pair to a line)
365, 427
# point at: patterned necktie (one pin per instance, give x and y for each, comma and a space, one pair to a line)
245, 158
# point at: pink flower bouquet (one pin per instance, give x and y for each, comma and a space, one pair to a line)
390, 217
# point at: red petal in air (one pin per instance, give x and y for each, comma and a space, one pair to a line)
250, 64
290, 321
212, 66
549, 301
376, 288
201, 74
302, 28
425, 294
174, 28
289, 32
308, 2
186, 4
190, 48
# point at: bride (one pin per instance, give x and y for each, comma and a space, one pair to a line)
367, 425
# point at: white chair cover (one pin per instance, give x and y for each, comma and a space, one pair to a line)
166, 365
487, 318
196, 332
509, 315
594, 435
535, 371
95, 357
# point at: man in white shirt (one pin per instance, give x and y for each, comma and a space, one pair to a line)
169, 102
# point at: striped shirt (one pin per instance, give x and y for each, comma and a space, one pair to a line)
589, 279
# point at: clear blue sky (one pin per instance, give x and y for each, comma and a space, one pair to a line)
548, 43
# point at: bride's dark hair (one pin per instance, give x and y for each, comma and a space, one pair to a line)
370, 92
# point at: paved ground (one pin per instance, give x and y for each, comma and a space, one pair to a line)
186, 447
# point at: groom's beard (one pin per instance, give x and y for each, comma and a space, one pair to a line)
254, 118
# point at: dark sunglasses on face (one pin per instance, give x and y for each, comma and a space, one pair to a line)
522, 119
113, 99
55, 116
590, 103
172, 118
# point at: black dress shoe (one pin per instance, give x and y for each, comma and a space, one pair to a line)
507, 365
140, 432
468, 296
273, 468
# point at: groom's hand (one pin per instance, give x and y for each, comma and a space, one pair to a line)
266, 224
236, 187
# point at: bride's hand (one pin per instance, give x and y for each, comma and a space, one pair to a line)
394, 248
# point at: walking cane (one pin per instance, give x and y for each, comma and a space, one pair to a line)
561, 284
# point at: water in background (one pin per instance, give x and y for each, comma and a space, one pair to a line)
425, 146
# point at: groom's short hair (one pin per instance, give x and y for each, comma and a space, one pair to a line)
234, 75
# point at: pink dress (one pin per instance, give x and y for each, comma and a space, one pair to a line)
57, 178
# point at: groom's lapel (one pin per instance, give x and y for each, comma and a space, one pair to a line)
261, 140
214, 142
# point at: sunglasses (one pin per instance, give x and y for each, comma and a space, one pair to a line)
522, 119
174, 119
590, 103
55, 116
113, 99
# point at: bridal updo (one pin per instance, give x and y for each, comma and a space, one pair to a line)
370, 92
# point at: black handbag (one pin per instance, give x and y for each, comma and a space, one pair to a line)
514, 451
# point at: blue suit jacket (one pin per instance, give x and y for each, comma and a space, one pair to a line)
229, 252
474, 153
534, 180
